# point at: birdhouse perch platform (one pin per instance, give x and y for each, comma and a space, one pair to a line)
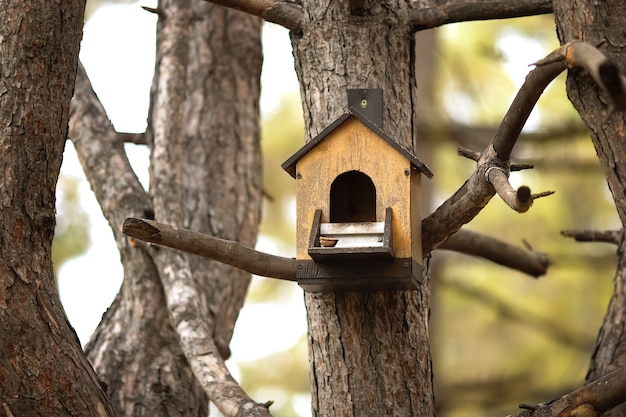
350, 240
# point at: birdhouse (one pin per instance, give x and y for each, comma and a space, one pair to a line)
357, 205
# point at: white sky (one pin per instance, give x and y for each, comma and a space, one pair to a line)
118, 54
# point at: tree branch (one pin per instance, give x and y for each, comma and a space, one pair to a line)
262, 264
491, 174
467, 202
475, 244
453, 12
225, 251
285, 13
106, 165
591, 400
136, 138
194, 331
519, 200
607, 236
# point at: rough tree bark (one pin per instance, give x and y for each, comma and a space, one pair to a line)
362, 345
42, 367
601, 23
205, 174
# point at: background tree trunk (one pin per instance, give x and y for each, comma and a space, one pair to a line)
600, 24
369, 352
213, 185
42, 367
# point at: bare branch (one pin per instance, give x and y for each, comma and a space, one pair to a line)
491, 174
468, 153
521, 167
475, 244
182, 296
285, 13
225, 251
156, 11
591, 400
106, 165
541, 194
519, 200
467, 202
453, 12
136, 138
608, 236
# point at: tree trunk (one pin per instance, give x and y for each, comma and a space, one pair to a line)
42, 367
601, 23
213, 185
369, 351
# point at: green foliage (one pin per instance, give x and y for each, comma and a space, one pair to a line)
71, 237
282, 376
283, 135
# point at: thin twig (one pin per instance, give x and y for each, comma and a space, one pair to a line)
157, 11
106, 166
468, 153
608, 236
521, 167
225, 251
136, 138
542, 194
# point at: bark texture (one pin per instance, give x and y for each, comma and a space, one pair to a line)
206, 174
369, 352
42, 367
601, 23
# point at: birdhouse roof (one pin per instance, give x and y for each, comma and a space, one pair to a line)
290, 164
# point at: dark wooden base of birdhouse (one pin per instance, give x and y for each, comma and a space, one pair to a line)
360, 275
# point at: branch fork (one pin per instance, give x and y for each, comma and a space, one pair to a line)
491, 175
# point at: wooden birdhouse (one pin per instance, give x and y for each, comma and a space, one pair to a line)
357, 204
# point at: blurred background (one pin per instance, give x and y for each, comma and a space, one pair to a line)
499, 337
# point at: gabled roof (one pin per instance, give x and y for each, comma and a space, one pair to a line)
290, 164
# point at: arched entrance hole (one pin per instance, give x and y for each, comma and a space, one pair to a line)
352, 198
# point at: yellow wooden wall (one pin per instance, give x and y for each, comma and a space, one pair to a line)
353, 146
